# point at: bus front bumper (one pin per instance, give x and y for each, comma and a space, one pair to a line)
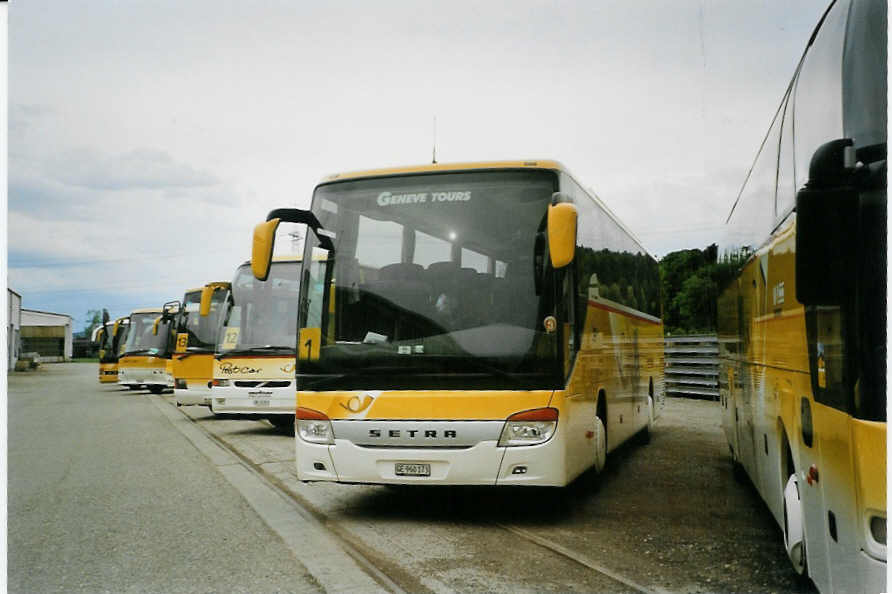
196, 391
144, 376
482, 464
253, 401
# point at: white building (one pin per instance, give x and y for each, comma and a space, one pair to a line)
49, 334
13, 327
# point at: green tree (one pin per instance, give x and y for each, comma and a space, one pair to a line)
93, 319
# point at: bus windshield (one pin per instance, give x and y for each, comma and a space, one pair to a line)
106, 349
202, 331
261, 317
434, 280
141, 340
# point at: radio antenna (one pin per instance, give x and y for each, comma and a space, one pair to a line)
435, 140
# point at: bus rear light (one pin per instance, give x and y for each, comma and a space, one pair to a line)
530, 427
314, 426
220, 382
878, 529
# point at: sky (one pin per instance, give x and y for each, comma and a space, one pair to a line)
147, 138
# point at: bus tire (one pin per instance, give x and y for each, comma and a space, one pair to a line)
600, 445
283, 422
794, 527
644, 434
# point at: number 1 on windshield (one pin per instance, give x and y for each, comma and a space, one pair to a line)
308, 344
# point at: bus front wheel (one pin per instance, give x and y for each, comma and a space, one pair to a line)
794, 533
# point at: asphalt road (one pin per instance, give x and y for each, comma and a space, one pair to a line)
96, 469
105, 495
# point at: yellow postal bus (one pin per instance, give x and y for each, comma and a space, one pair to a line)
254, 364
108, 357
474, 324
197, 329
110, 337
145, 359
802, 327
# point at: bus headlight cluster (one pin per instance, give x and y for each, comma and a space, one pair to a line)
314, 426
529, 427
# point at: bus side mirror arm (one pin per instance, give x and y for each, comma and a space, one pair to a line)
265, 237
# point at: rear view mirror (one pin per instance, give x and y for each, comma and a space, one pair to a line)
262, 249
561, 233
826, 227
207, 293
155, 326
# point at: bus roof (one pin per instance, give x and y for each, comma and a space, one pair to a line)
549, 164
437, 167
143, 310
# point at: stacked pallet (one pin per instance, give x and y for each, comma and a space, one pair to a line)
692, 366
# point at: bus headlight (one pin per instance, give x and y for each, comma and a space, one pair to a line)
314, 426
529, 427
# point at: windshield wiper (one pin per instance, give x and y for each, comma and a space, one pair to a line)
140, 352
194, 350
269, 348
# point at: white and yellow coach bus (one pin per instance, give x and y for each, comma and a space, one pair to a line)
803, 325
104, 337
197, 329
475, 324
254, 363
110, 337
145, 359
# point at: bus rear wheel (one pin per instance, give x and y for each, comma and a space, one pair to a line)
599, 441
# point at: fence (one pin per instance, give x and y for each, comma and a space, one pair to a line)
692, 366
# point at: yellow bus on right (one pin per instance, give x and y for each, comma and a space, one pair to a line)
802, 325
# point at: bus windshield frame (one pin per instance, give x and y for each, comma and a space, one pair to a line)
264, 309
203, 331
141, 340
434, 284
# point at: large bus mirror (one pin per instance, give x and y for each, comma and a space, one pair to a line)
561, 232
99, 336
155, 326
170, 308
265, 236
262, 249
207, 293
826, 227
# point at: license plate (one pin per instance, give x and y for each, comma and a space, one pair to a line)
412, 469
261, 402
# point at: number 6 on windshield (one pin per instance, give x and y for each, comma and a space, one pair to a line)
308, 344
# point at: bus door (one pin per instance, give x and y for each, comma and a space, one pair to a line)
825, 451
